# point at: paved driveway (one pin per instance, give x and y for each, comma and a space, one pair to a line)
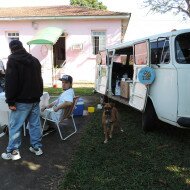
43, 172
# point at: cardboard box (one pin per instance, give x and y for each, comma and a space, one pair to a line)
79, 108
125, 89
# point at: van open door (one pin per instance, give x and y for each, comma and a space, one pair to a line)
101, 72
141, 60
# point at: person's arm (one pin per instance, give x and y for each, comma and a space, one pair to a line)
67, 100
62, 106
49, 105
40, 74
11, 83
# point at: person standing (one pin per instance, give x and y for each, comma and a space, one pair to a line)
2, 77
23, 89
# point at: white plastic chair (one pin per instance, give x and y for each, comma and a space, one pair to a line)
68, 112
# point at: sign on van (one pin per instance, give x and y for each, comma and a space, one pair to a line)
146, 75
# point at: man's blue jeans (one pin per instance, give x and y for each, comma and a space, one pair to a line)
24, 111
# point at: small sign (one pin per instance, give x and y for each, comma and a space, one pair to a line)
146, 75
77, 46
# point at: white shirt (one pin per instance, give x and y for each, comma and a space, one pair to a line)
66, 96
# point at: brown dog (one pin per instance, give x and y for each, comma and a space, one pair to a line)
109, 120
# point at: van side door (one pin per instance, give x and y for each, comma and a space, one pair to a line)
101, 72
164, 91
139, 91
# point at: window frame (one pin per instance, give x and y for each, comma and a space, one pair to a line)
10, 36
161, 50
98, 44
182, 50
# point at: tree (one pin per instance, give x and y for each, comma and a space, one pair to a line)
163, 6
89, 3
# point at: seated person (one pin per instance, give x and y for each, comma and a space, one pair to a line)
55, 109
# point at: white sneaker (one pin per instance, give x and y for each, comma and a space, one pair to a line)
36, 151
14, 155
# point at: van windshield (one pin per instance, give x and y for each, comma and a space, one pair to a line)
182, 48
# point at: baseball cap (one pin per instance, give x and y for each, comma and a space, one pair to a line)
15, 45
66, 78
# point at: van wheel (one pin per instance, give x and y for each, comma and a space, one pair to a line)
149, 118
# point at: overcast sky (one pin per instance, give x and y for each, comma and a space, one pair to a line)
141, 24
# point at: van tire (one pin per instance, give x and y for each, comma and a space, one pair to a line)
149, 118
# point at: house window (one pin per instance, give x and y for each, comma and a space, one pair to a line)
98, 41
12, 36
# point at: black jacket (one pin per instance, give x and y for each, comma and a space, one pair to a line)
23, 81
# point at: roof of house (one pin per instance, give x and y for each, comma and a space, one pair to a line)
57, 11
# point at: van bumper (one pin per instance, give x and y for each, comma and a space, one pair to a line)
184, 121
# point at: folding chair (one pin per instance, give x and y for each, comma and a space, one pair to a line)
68, 112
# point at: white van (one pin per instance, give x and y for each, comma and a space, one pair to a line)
164, 61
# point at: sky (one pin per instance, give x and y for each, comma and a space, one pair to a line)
141, 23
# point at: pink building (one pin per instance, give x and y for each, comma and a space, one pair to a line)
65, 39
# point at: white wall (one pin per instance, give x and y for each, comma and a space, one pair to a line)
79, 63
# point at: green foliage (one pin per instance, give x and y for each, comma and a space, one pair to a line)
82, 91
131, 160
89, 3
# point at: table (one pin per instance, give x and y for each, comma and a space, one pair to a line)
4, 109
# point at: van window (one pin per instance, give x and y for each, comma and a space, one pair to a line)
182, 48
160, 52
141, 53
103, 58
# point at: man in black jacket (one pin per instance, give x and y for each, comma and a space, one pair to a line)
23, 89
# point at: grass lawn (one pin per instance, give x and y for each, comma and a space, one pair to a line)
131, 160
85, 91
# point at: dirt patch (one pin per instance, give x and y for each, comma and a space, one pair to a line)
46, 171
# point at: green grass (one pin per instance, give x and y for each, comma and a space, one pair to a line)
80, 91
131, 160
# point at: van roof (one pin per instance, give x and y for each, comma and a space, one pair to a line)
152, 37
